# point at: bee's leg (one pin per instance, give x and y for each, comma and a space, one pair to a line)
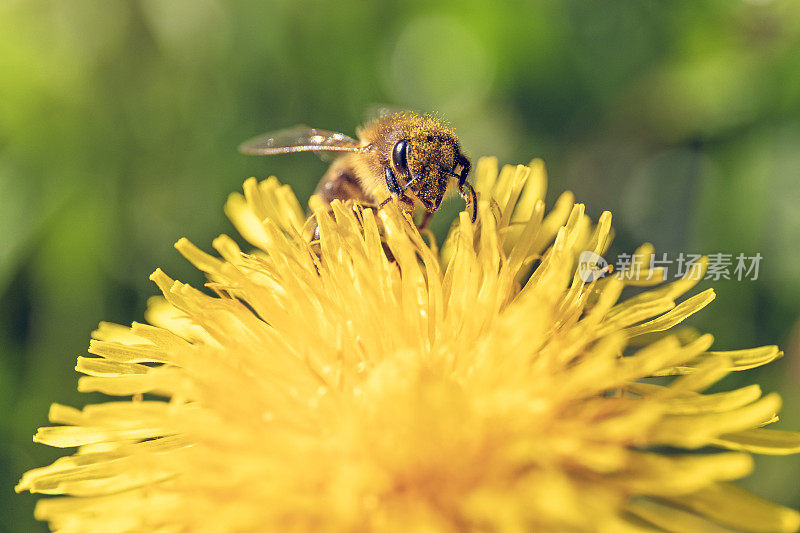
467, 192
405, 204
383, 203
426, 219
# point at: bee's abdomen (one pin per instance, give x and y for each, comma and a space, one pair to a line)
341, 182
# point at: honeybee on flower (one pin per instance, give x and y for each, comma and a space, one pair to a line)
404, 155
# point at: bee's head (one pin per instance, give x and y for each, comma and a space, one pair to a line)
429, 159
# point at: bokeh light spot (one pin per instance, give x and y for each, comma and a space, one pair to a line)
437, 62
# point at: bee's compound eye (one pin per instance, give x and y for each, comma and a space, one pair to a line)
399, 153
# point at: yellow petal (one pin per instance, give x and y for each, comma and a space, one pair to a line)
760, 440
733, 506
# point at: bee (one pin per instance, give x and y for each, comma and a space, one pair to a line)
407, 156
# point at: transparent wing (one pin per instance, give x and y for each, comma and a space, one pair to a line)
299, 139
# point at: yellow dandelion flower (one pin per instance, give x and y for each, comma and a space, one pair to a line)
484, 386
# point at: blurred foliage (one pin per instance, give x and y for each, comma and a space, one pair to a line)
119, 121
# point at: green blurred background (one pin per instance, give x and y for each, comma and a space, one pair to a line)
119, 121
